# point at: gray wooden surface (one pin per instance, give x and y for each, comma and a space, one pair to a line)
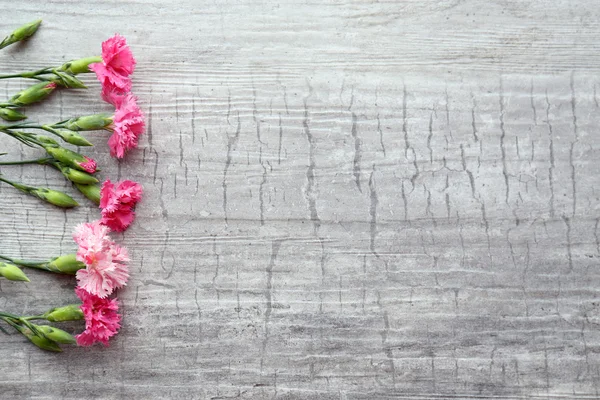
343, 200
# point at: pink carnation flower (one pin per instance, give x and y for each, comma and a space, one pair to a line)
116, 66
104, 260
128, 123
118, 202
101, 318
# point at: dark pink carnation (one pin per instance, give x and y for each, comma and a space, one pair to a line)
116, 66
128, 124
89, 165
118, 203
101, 318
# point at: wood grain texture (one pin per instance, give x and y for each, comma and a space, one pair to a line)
343, 200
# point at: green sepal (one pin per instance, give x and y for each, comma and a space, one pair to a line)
80, 66
72, 312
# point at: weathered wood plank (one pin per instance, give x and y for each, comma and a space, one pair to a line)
348, 200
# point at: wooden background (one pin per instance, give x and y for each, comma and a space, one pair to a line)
343, 200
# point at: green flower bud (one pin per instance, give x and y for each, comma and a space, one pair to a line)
39, 340
75, 175
67, 79
92, 192
55, 197
72, 312
33, 94
71, 158
80, 66
68, 136
8, 114
89, 123
12, 272
56, 335
21, 33
46, 140
66, 264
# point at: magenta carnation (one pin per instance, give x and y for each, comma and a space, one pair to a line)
118, 202
116, 66
101, 318
128, 123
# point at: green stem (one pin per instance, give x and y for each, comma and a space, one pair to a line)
7, 315
33, 317
40, 161
24, 137
24, 263
19, 186
28, 74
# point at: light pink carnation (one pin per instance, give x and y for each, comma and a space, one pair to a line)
128, 123
101, 318
105, 261
118, 202
116, 66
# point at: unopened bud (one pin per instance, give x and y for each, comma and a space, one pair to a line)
80, 66
39, 340
12, 272
56, 335
68, 136
67, 79
72, 159
66, 264
54, 197
89, 122
75, 175
21, 33
46, 140
72, 312
33, 94
92, 192
8, 114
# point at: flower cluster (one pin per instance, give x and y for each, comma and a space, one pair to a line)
114, 73
99, 264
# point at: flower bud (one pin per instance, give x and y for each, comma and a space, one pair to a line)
12, 272
75, 175
46, 140
66, 264
33, 94
92, 192
55, 197
89, 122
21, 33
68, 136
72, 159
38, 339
8, 114
72, 312
67, 79
56, 335
80, 66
